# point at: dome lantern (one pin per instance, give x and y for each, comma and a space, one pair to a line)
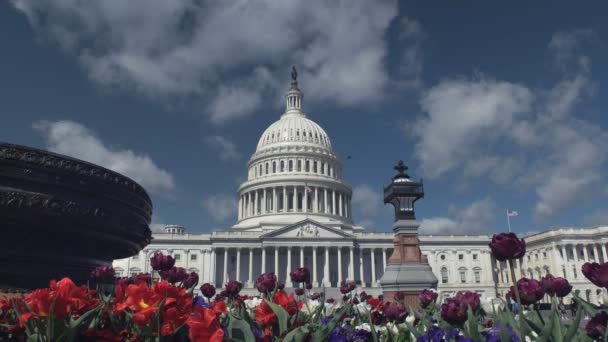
293, 97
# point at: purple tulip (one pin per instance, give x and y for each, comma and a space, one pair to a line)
208, 290
280, 286
427, 297
399, 296
300, 275
174, 275
103, 273
191, 280
314, 296
266, 282
454, 311
506, 246
470, 299
530, 291
233, 288
394, 312
555, 285
596, 273
309, 286
161, 262
299, 291
596, 327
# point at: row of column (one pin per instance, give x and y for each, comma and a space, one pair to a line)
294, 198
317, 252
559, 264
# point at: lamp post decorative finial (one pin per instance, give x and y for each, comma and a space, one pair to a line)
401, 168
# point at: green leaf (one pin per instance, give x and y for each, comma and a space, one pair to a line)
591, 309
242, 329
574, 327
556, 332
282, 315
471, 327
548, 328
297, 335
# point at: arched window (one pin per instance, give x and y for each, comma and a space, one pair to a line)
119, 271
477, 274
282, 166
442, 257
266, 168
314, 167
307, 166
261, 170
299, 166
444, 275
134, 271
291, 166
274, 167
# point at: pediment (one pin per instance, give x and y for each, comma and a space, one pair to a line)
307, 230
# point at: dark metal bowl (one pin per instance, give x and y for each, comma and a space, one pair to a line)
61, 216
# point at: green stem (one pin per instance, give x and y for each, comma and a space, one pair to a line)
542, 320
519, 306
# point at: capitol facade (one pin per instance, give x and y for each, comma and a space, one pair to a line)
294, 210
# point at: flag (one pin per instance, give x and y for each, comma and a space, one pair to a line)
307, 189
512, 213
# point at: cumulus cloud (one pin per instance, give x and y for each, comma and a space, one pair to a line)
227, 149
230, 54
477, 218
220, 207
368, 204
75, 140
515, 134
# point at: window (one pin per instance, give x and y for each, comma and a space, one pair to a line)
282, 166
460, 256
266, 168
529, 258
544, 255
442, 257
290, 165
474, 256
193, 257
463, 275
477, 277
136, 256
314, 167
177, 257
307, 166
274, 167
444, 275
299, 166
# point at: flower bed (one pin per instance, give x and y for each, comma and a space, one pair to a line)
138, 308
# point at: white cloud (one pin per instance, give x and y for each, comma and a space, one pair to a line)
220, 207
477, 218
462, 115
368, 204
75, 140
226, 148
514, 134
214, 51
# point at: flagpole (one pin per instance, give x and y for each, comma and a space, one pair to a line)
509, 220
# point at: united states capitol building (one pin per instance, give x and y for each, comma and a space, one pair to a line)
294, 210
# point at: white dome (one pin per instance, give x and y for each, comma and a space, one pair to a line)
294, 128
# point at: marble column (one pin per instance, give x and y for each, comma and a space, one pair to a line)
240, 206
274, 200
263, 259
225, 265
314, 266
256, 203
499, 272
325, 207
373, 260
284, 199
212, 266
276, 261
519, 268
295, 198
288, 270
250, 267
361, 273
264, 204
604, 254
351, 267
340, 204
305, 199
326, 281
339, 252
575, 253
333, 202
315, 203
384, 260
301, 256
596, 255
238, 264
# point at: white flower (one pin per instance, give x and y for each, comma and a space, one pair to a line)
410, 319
393, 327
364, 307
310, 306
364, 326
252, 303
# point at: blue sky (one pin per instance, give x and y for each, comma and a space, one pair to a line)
495, 106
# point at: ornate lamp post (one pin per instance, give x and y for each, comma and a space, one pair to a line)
407, 270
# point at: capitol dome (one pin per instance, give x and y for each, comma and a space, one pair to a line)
294, 174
